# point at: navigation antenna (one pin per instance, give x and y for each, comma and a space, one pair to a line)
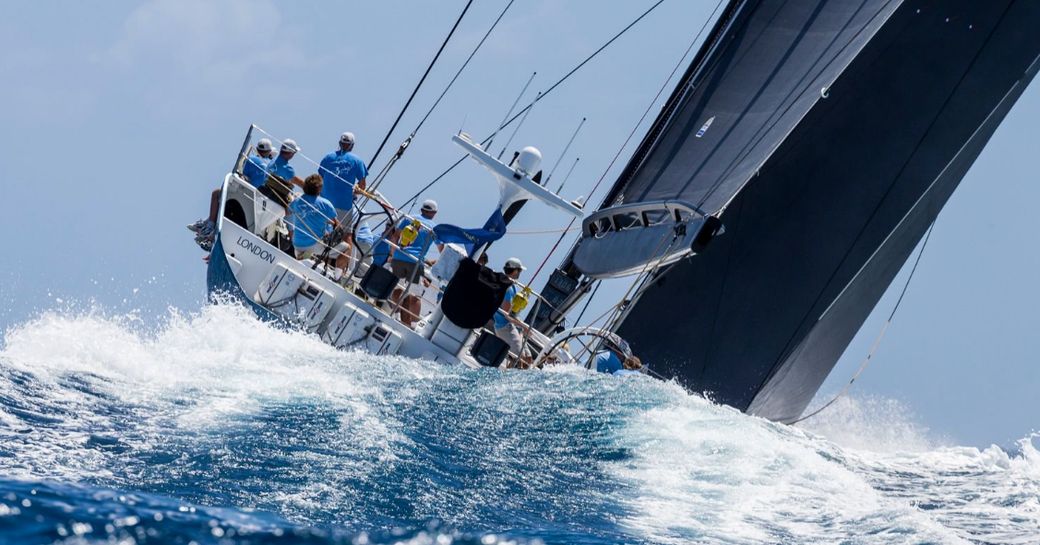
565, 149
504, 122
568, 176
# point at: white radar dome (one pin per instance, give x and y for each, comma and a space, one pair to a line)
529, 160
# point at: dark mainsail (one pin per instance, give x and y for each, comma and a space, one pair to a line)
826, 135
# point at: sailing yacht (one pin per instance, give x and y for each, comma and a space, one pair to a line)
800, 159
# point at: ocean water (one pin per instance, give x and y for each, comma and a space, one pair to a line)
214, 428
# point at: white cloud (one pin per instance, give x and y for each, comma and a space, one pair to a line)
216, 42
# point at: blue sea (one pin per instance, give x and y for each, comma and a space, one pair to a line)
213, 428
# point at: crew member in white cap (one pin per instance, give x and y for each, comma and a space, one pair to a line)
255, 166
340, 171
409, 261
280, 174
255, 171
506, 329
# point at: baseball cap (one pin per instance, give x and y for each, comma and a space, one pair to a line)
263, 145
514, 263
429, 205
346, 138
290, 145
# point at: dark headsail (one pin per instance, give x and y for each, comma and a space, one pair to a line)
826, 135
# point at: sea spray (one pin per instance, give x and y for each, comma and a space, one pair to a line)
215, 421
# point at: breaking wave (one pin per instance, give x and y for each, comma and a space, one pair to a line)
216, 428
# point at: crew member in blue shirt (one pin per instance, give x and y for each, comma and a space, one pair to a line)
607, 361
504, 328
380, 249
366, 242
254, 170
610, 361
632, 366
255, 166
312, 217
341, 170
408, 262
281, 176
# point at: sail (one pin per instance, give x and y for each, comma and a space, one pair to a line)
767, 64
827, 136
772, 61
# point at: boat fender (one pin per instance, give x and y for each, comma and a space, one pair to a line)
711, 227
410, 233
520, 300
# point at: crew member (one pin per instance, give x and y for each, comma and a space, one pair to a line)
341, 170
506, 329
632, 366
408, 262
612, 361
255, 167
281, 176
312, 217
254, 170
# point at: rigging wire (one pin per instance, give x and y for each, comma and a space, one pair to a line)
541, 231
760, 134
404, 145
418, 85
540, 96
516, 129
628, 139
695, 41
463, 67
881, 334
509, 112
568, 177
587, 302
637, 287
631, 134
565, 150
587, 59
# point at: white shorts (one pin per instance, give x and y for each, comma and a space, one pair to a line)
511, 335
317, 248
346, 219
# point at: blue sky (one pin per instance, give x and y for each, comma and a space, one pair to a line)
119, 117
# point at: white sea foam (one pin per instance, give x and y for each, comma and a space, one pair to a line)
706, 473
193, 372
87, 396
710, 473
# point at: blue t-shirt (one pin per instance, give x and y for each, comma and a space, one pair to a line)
364, 233
310, 216
414, 251
380, 252
501, 321
339, 171
608, 362
255, 170
281, 168
379, 248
